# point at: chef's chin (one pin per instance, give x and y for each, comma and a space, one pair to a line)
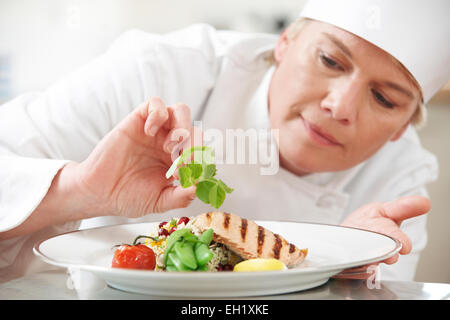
295, 162
303, 159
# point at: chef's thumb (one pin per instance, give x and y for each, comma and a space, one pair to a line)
175, 197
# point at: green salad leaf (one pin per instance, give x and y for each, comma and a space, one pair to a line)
196, 167
187, 252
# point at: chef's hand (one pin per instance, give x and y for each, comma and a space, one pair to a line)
385, 218
125, 173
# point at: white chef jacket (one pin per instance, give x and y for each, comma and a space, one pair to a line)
223, 76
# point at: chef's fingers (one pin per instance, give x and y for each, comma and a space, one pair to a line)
195, 138
405, 208
404, 240
173, 197
157, 116
358, 273
391, 260
358, 276
179, 116
178, 124
176, 138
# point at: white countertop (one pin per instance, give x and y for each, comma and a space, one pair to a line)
57, 284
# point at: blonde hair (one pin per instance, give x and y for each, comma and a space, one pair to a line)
418, 119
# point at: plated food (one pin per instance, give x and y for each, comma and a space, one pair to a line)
332, 249
214, 241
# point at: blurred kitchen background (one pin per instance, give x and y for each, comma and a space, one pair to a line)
42, 40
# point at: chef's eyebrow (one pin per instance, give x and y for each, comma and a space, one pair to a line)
399, 88
347, 52
338, 43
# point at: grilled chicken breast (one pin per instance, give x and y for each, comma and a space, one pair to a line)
248, 239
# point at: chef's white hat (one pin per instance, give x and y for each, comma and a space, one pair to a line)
415, 32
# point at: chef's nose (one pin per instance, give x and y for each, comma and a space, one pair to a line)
343, 100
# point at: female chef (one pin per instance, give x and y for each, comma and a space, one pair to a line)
344, 88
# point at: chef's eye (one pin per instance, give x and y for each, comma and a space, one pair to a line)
382, 100
330, 63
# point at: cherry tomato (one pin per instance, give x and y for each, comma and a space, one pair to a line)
134, 257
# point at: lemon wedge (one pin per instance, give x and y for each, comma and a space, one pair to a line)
259, 265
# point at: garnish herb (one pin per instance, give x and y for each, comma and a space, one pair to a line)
200, 171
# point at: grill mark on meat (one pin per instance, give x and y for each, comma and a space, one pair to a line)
261, 237
258, 236
277, 246
291, 248
226, 220
244, 224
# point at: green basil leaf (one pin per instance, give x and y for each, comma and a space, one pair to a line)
205, 153
203, 157
196, 170
216, 196
185, 176
199, 169
203, 188
209, 171
225, 187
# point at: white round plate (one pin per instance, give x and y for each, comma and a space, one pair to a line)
331, 250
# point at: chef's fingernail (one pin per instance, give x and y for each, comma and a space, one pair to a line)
169, 146
179, 135
154, 130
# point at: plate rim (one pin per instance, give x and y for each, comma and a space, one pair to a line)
137, 273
